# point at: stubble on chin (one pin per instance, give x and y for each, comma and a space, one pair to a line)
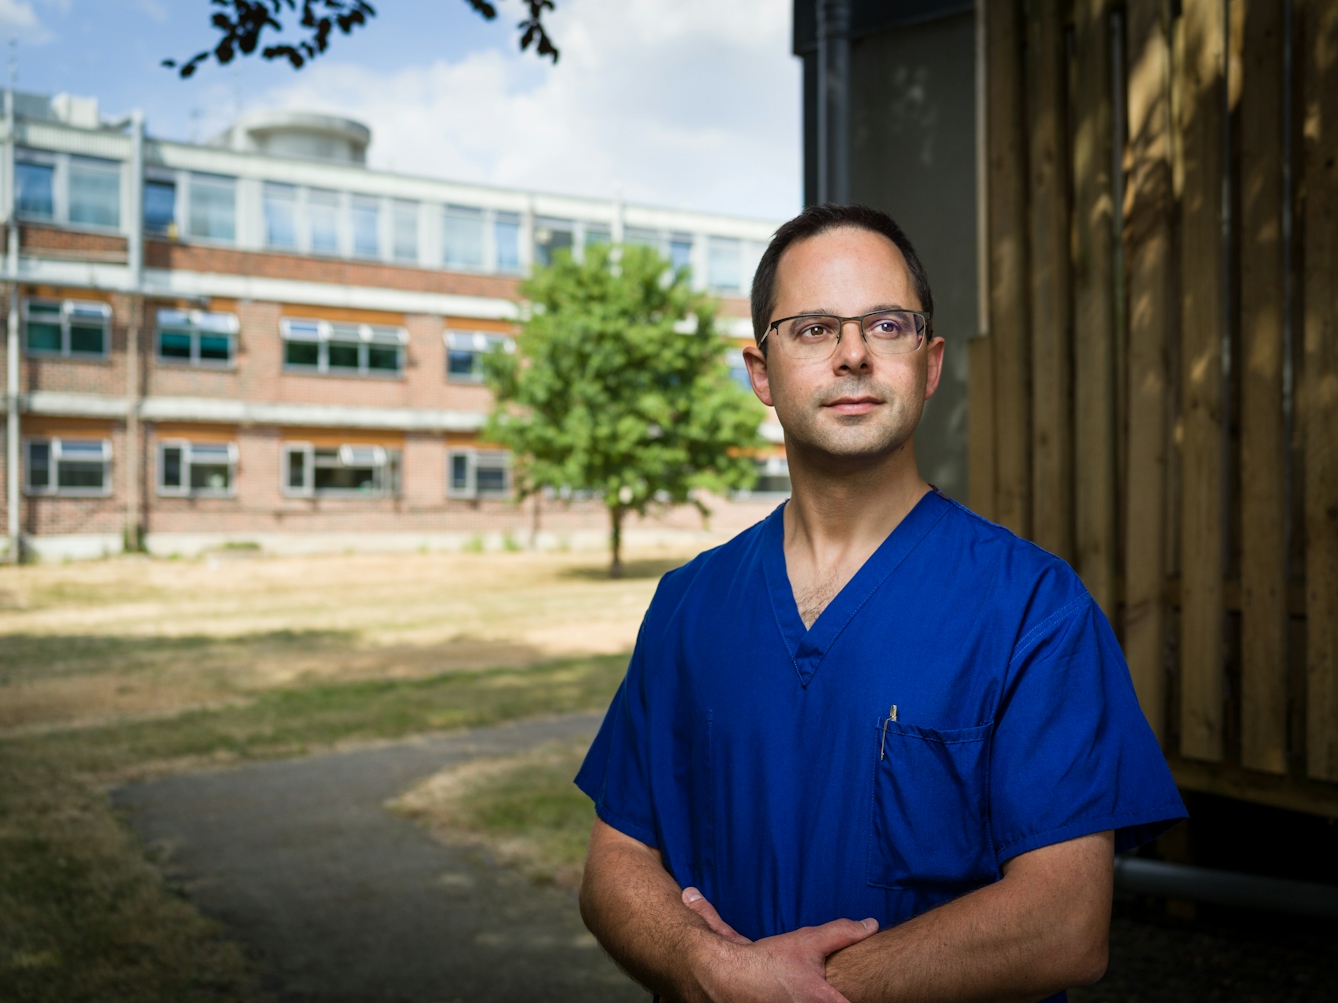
885, 429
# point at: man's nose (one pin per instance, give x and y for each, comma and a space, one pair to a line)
852, 352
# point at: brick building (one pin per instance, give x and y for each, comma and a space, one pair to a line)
261, 340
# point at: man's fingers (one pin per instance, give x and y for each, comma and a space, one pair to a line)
840, 934
696, 901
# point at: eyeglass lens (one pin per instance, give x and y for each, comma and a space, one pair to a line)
895, 332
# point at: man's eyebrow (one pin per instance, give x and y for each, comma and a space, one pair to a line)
821, 312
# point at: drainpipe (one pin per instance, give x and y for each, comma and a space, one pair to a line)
12, 345
833, 100
1228, 888
134, 528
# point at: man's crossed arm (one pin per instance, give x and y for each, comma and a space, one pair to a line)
1042, 928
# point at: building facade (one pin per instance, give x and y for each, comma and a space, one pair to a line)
261, 341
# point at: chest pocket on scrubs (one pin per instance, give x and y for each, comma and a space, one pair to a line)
930, 814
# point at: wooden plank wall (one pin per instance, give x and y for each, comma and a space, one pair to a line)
1187, 465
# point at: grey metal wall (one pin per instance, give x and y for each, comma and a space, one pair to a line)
913, 156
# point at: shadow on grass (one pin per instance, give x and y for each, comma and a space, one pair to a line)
34, 657
648, 568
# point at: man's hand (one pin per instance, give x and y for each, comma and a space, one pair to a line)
787, 967
674, 942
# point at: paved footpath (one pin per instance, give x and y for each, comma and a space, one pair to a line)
339, 899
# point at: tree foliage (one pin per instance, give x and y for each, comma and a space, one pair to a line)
243, 22
619, 388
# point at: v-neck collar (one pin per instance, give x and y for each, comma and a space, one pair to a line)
809, 646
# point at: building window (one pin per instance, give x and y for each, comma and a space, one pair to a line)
597, 233
204, 469
160, 209
366, 215
680, 250
462, 237
404, 219
69, 467
552, 236
506, 236
95, 192
69, 328
196, 338
723, 264
323, 221
773, 477
35, 195
344, 470
475, 473
465, 351
281, 216
639, 236
213, 207
319, 346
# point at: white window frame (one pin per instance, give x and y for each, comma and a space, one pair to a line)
493, 458
67, 309
60, 188
477, 342
322, 332
197, 323
52, 489
387, 461
189, 179
183, 490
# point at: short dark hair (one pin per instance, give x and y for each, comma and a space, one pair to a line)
818, 219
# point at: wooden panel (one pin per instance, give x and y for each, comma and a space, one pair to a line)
1262, 422
1006, 180
1148, 205
1320, 403
980, 426
1093, 301
1202, 449
1048, 211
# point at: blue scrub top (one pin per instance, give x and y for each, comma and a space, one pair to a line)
763, 761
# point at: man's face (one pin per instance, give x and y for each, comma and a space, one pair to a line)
854, 404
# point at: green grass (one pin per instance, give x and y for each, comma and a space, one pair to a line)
524, 808
83, 916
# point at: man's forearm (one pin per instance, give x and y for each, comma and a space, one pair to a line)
635, 910
1016, 941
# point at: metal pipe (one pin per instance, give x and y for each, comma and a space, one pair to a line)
833, 101
14, 528
1228, 888
135, 260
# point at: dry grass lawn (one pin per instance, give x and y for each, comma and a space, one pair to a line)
87, 644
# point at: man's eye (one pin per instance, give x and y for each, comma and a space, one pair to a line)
813, 331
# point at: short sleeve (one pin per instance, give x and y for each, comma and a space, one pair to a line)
616, 771
1072, 753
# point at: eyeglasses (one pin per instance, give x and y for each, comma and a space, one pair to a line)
816, 335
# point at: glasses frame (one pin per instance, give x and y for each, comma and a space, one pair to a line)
928, 332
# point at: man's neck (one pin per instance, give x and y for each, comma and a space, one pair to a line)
838, 515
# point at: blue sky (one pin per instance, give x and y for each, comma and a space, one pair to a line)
692, 103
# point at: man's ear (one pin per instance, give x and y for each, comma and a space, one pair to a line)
935, 373
758, 374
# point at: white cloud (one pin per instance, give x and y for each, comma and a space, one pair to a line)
693, 103
19, 20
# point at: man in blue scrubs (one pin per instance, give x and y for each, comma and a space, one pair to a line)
875, 747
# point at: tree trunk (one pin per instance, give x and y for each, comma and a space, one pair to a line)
616, 513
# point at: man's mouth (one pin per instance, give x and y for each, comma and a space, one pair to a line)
853, 405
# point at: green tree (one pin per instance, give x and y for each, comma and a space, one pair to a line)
619, 388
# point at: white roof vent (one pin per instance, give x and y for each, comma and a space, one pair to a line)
299, 134
75, 110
